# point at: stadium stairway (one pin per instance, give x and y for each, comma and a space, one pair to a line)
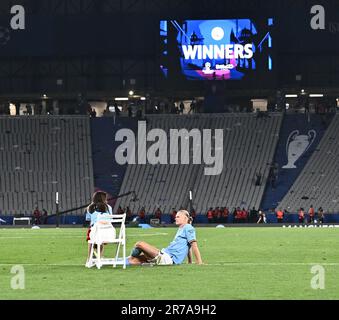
108, 175
304, 123
42, 155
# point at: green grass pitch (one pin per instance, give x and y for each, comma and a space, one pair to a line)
240, 263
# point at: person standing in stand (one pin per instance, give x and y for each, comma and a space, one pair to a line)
37, 216
280, 215
301, 215
311, 214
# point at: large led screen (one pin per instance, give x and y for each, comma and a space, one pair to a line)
232, 49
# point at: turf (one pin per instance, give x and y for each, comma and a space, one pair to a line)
240, 263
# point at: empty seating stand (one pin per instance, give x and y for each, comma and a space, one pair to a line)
42, 155
318, 183
248, 148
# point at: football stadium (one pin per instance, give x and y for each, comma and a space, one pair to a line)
169, 150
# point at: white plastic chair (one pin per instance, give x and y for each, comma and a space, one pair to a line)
104, 232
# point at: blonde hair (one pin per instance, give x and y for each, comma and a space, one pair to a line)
186, 213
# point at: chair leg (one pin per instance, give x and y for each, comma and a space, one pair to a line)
91, 255
124, 254
98, 256
116, 256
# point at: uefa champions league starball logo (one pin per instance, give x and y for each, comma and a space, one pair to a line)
217, 33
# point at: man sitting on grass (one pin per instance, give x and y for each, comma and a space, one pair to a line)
183, 243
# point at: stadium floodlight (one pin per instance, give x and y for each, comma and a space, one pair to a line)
131, 93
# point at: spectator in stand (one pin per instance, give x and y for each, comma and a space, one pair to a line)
129, 214
321, 215
37, 216
116, 109
311, 214
218, 215
238, 215
215, 217
129, 109
193, 106
193, 215
93, 113
181, 107
29, 109
44, 216
225, 214
262, 217
253, 215
142, 215
210, 215
173, 215
120, 210
234, 214
301, 215
176, 109
280, 215
244, 215
157, 214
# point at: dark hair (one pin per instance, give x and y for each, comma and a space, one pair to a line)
99, 202
99, 196
101, 207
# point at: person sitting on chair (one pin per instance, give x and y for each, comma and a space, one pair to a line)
98, 206
183, 243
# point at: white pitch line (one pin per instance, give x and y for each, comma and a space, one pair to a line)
43, 265
271, 264
206, 264
82, 236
